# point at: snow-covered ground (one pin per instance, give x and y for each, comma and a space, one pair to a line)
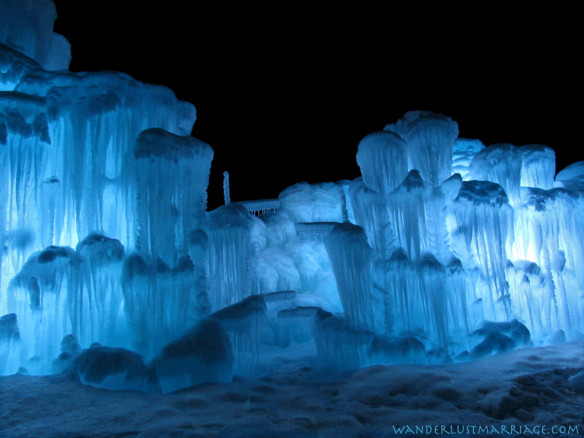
529, 392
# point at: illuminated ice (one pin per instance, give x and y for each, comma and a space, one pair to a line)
29, 30
430, 140
443, 249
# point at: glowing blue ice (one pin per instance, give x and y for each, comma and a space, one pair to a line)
442, 248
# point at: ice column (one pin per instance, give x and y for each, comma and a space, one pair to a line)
416, 216
226, 191
538, 166
501, 164
45, 295
226, 243
351, 259
94, 119
172, 175
101, 305
371, 212
481, 227
159, 301
382, 158
548, 233
25, 147
430, 138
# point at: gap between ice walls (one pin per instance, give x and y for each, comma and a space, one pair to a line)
113, 270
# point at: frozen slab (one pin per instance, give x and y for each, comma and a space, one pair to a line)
351, 259
244, 323
114, 369
202, 354
13, 66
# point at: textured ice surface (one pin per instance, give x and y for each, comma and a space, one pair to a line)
203, 354
13, 66
383, 160
444, 249
531, 387
430, 139
324, 202
113, 368
463, 152
173, 170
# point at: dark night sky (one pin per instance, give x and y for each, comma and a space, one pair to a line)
285, 95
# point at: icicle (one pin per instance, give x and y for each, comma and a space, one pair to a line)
226, 193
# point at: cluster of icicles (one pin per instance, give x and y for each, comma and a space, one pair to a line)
443, 249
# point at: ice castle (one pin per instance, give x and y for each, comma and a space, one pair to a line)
113, 269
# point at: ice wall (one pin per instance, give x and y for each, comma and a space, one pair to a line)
441, 249
479, 241
97, 173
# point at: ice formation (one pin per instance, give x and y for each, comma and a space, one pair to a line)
113, 270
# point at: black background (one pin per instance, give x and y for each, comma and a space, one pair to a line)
284, 94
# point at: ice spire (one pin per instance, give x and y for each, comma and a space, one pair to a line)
226, 192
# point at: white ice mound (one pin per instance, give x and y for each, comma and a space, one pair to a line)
309, 203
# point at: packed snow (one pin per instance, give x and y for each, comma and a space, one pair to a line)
526, 392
